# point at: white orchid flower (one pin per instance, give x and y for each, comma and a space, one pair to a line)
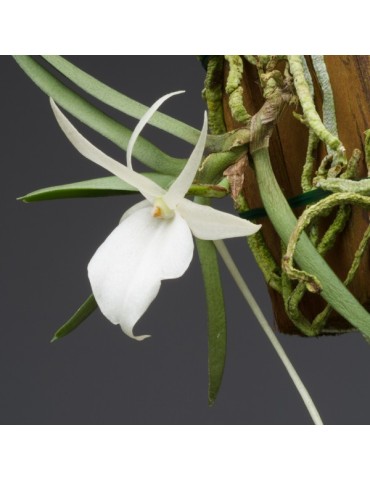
154, 240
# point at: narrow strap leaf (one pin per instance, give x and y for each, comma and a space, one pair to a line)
109, 186
303, 199
121, 102
84, 111
306, 256
85, 310
97, 187
216, 313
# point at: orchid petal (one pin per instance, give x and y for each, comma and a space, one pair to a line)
207, 223
143, 121
135, 208
181, 185
126, 271
147, 187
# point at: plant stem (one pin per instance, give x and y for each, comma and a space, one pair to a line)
233, 269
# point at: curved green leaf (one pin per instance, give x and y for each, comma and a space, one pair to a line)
86, 309
306, 256
97, 187
109, 186
121, 102
216, 314
84, 111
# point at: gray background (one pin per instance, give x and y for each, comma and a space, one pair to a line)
97, 375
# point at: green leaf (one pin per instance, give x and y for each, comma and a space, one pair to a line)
312, 196
216, 314
85, 310
306, 256
121, 102
109, 186
97, 187
84, 111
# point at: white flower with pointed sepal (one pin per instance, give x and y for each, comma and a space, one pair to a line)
153, 240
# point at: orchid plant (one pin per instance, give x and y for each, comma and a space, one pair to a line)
154, 239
